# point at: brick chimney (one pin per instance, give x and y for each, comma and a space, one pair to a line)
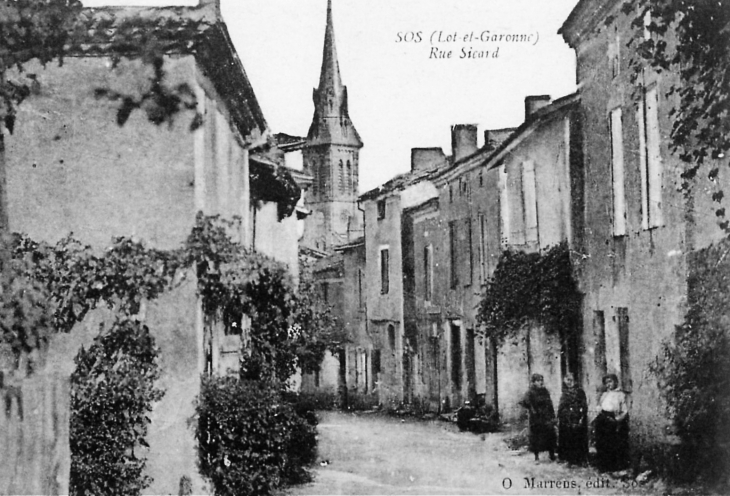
534, 103
463, 140
424, 159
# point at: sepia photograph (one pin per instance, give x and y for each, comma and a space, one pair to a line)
348, 247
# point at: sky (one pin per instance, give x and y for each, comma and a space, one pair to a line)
402, 94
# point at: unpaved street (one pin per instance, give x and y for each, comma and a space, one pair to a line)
375, 454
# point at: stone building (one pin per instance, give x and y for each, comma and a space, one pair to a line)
331, 156
68, 167
641, 228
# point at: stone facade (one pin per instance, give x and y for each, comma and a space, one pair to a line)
641, 228
69, 168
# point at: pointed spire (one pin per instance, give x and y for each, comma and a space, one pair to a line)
330, 75
331, 123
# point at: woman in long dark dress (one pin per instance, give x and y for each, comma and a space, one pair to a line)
612, 428
573, 423
542, 417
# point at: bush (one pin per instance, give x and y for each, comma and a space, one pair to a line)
250, 441
112, 391
693, 370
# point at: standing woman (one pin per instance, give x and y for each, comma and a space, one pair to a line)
542, 417
573, 423
612, 428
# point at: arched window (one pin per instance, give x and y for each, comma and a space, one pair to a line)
315, 174
322, 176
349, 177
342, 177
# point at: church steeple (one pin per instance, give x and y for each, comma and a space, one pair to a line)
331, 156
331, 123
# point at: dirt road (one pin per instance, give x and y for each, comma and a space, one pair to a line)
374, 454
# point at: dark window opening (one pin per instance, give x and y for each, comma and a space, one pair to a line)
456, 356
376, 362
232, 318
384, 271
427, 274
391, 336
381, 209
453, 255
622, 314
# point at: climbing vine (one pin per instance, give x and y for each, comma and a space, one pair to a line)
50, 288
112, 392
530, 287
693, 369
690, 39
50, 30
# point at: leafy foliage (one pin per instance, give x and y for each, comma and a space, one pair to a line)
250, 441
25, 319
50, 30
530, 287
112, 394
691, 39
51, 288
693, 371
317, 329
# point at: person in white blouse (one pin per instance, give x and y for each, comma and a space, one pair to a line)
612, 427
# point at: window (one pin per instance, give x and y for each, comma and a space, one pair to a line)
232, 321
515, 198
614, 55
453, 253
482, 247
384, 271
381, 209
349, 177
428, 272
325, 292
470, 250
622, 316
503, 205
451, 193
456, 356
529, 194
315, 183
360, 293
342, 177
617, 173
391, 337
599, 343
481, 179
650, 161
322, 179
376, 362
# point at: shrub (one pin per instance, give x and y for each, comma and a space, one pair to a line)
693, 370
250, 441
111, 395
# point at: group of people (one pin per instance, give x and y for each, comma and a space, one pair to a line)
569, 431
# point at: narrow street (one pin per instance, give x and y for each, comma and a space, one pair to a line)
373, 454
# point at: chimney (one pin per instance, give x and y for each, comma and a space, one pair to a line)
463, 140
534, 103
424, 159
215, 5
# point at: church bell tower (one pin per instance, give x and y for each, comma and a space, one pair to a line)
331, 157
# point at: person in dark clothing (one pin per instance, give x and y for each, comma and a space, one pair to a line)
612, 428
542, 417
573, 423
